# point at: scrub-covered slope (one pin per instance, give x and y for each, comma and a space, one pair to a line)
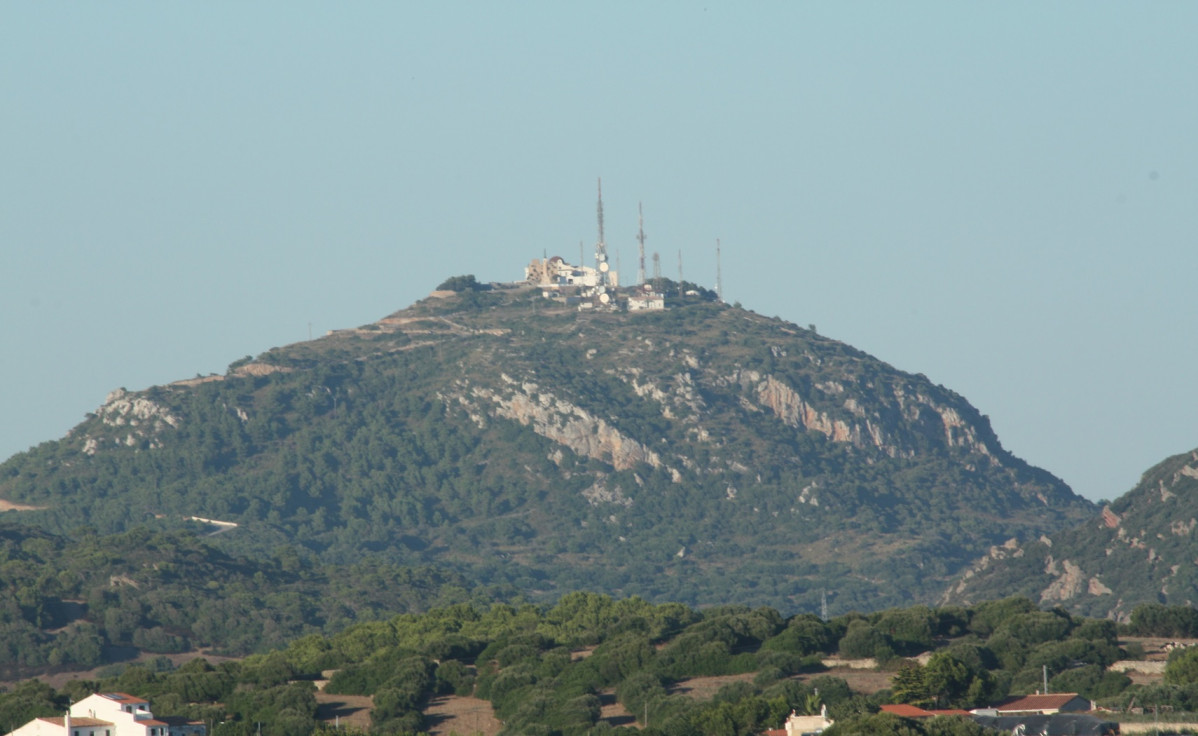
1140, 549
703, 454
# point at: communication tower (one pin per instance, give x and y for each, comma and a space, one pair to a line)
640, 239
601, 263
656, 265
719, 279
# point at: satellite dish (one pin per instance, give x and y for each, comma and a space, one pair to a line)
605, 297
604, 267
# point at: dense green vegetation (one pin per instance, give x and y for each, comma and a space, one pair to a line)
768, 464
78, 603
545, 670
466, 282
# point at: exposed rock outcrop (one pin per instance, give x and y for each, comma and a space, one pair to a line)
858, 428
260, 369
143, 418
563, 422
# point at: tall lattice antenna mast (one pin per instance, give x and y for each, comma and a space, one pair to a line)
719, 278
640, 239
680, 272
599, 209
656, 265
601, 246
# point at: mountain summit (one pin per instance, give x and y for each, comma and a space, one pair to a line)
688, 450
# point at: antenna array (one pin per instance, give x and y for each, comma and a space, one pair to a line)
601, 247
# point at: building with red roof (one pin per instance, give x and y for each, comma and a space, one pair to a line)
903, 710
1043, 704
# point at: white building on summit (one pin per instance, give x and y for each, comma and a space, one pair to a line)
555, 273
110, 714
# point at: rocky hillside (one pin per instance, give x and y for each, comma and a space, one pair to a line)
1140, 549
703, 453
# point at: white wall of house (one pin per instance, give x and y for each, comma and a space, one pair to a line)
105, 714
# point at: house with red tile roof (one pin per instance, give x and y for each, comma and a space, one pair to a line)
1057, 724
110, 714
902, 710
1042, 705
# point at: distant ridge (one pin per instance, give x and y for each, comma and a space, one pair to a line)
1139, 549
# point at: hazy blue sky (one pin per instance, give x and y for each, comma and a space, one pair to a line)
1002, 196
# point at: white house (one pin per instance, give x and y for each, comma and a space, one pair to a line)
797, 725
647, 301
110, 714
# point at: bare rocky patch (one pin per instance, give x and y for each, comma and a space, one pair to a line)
456, 714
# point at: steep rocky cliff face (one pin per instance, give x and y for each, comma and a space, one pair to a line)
567, 424
1141, 548
702, 454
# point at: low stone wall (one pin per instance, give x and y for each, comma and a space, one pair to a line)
853, 664
1150, 727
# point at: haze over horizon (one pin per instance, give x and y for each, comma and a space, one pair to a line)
1000, 197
